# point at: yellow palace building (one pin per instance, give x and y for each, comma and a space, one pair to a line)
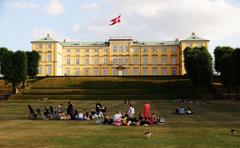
119, 56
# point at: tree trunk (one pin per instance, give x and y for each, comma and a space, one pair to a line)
14, 88
6, 82
228, 91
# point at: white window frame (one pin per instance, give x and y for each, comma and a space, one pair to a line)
77, 72
68, 61
48, 69
173, 59
164, 59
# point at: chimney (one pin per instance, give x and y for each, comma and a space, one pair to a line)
48, 35
193, 33
64, 40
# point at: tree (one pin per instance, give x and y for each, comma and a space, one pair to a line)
33, 62
226, 70
198, 62
20, 69
236, 70
5, 63
218, 53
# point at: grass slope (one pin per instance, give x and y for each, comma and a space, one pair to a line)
62, 88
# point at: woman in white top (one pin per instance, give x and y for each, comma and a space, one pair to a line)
131, 111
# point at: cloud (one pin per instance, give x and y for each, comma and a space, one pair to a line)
213, 19
76, 28
54, 7
90, 6
23, 5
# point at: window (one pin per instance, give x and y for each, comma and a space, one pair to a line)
105, 50
68, 50
86, 60
145, 50
120, 49
48, 70
173, 71
145, 71
68, 61
40, 70
164, 59
96, 61
164, 50
145, 60
77, 72
39, 46
86, 71
174, 49
114, 72
95, 72
49, 57
126, 72
104, 73
173, 59
104, 60
154, 71
126, 60
77, 61
114, 60
120, 60
87, 50
77, 50
114, 49
164, 71
49, 45
154, 60
154, 50
135, 71
67, 72
136, 60
126, 49
96, 50
135, 50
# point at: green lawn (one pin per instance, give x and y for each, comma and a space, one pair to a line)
209, 126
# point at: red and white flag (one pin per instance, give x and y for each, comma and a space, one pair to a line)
115, 20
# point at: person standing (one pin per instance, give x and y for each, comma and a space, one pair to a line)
70, 110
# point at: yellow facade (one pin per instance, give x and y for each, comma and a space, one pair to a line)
116, 57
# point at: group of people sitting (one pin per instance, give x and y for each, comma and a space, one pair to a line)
71, 114
181, 111
99, 114
129, 118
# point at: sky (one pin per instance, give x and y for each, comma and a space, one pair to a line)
22, 21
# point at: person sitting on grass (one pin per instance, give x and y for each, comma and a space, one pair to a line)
131, 111
87, 116
117, 118
100, 108
60, 109
93, 114
78, 116
107, 120
32, 114
181, 111
154, 118
188, 111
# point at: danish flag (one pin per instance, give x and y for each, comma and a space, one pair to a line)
115, 20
